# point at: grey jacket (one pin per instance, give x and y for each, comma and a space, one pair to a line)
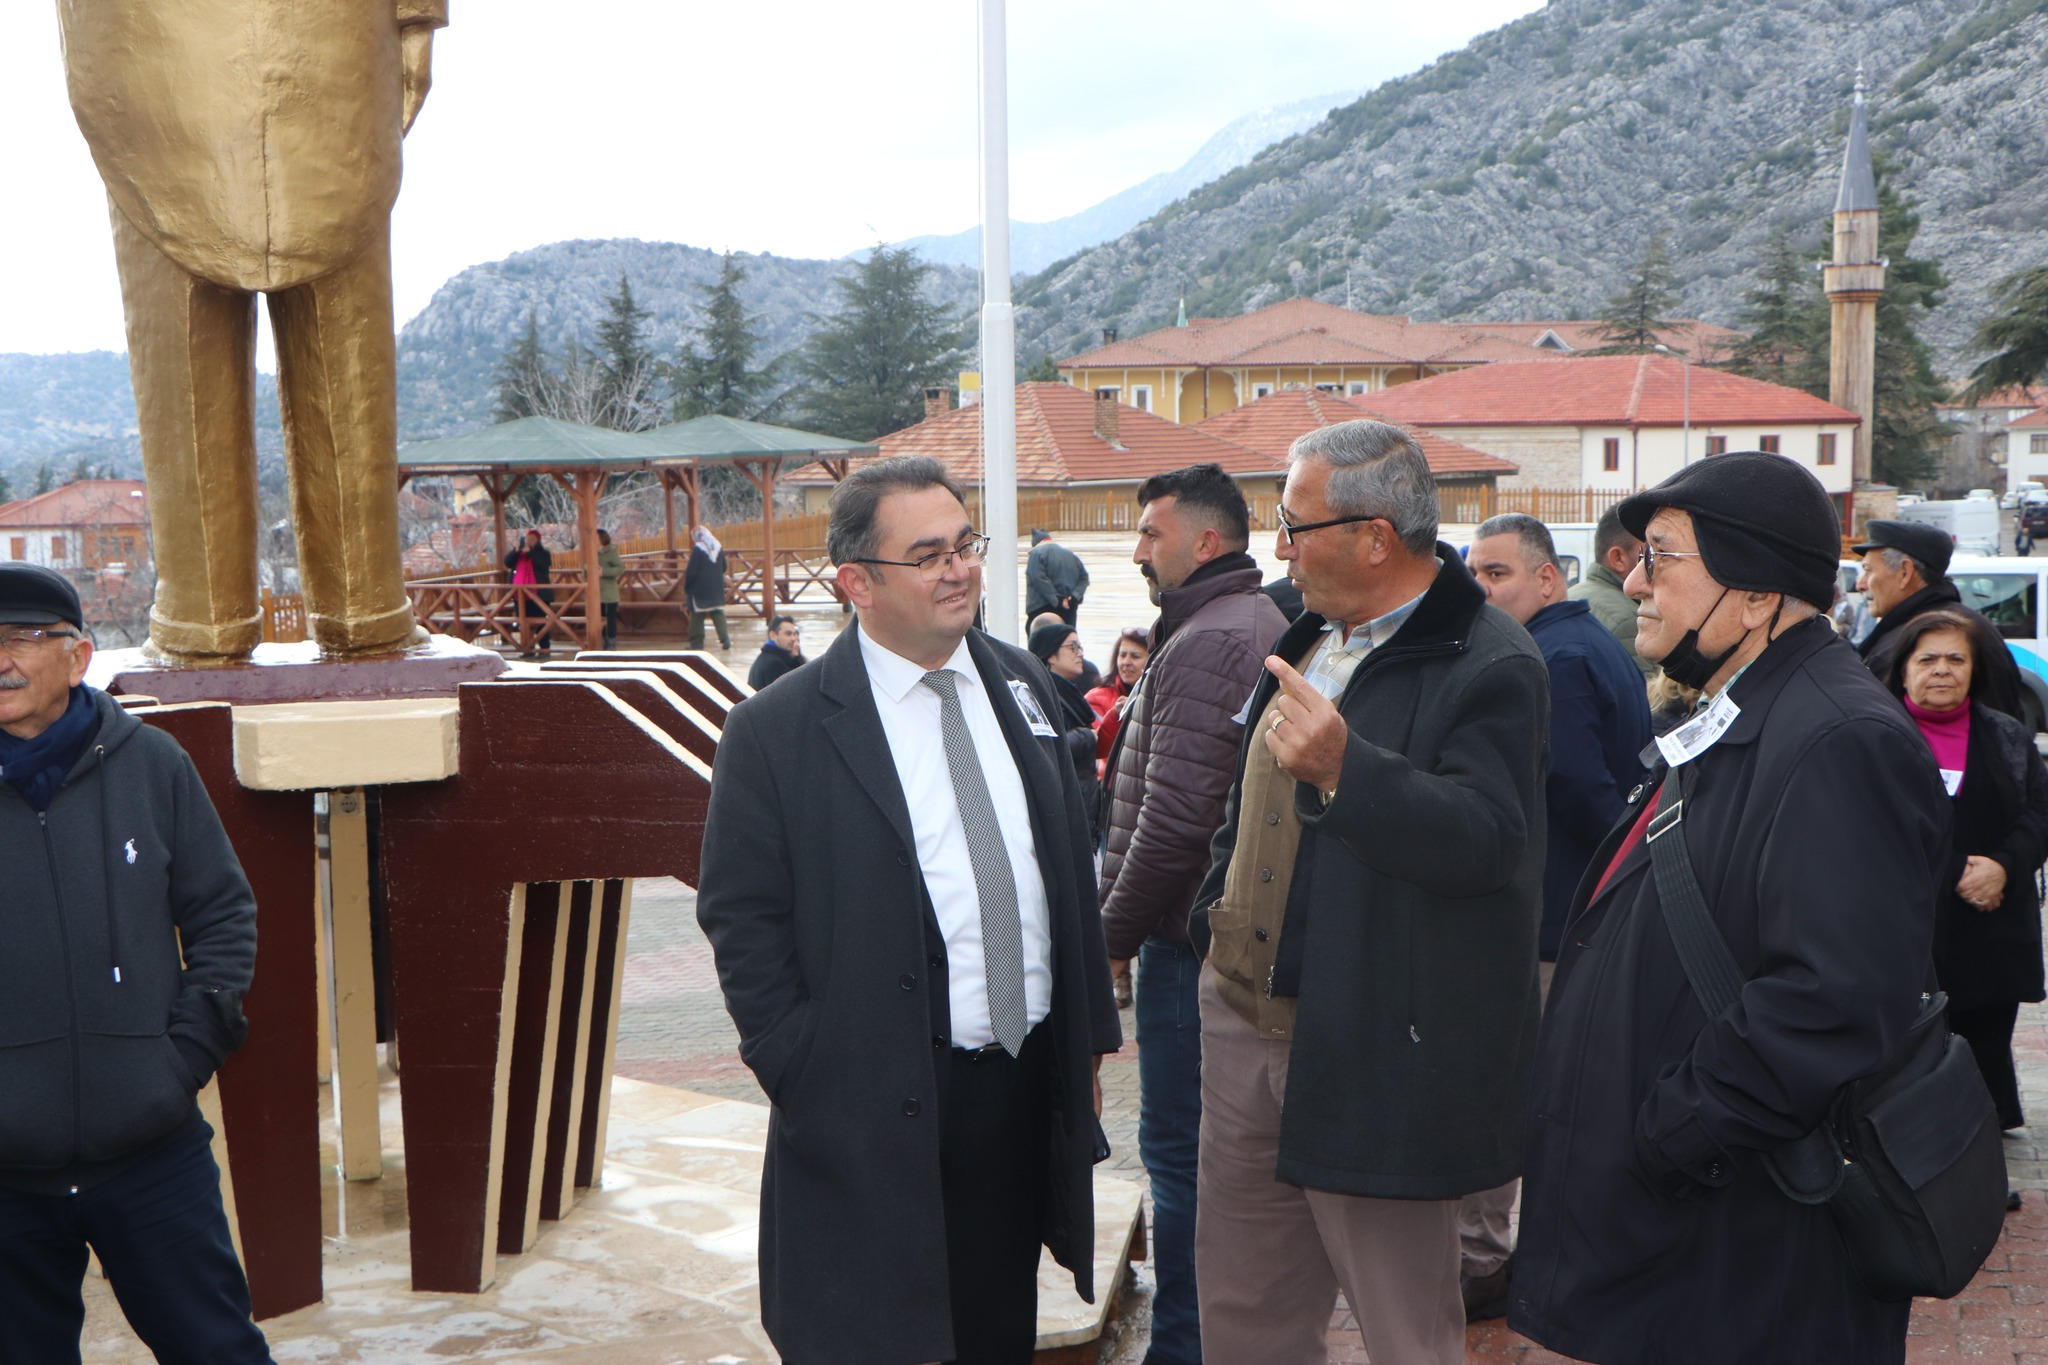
1601, 590
104, 1037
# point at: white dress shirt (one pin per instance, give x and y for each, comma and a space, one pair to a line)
910, 721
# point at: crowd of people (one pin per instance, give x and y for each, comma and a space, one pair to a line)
1408, 889
1382, 863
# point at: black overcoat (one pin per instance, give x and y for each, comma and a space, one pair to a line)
1410, 930
1651, 1231
1994, 957
834, 971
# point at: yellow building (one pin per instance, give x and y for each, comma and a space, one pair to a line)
1193, 371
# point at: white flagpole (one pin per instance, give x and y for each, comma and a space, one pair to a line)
998, 336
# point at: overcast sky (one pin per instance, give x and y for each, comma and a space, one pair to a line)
801, 127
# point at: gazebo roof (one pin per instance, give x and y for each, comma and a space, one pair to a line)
528, 445
538, 444
714, 437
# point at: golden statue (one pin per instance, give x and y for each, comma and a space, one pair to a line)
253, 147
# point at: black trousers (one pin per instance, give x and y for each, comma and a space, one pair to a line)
1988, 1031
611, 624
162, 1239
992, 1154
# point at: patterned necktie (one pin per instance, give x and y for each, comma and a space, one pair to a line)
995, 884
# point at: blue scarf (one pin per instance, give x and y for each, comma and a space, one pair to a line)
37, 767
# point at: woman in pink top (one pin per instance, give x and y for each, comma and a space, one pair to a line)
1988, 945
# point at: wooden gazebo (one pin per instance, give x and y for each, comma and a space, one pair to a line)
583, 459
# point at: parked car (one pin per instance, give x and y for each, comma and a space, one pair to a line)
2025, 491
2010, 592
1980, 495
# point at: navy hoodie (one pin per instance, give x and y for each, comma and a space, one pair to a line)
106, 1036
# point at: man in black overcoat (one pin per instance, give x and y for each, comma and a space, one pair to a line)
898, 888
1651, 1229
1905, 574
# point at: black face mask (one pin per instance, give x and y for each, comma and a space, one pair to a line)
1686, 665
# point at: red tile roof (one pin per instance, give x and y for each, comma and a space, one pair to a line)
1705, 342
2028, 396
1271, 424
87, 502
1622, 390
2037, 418
1308, 332
1057, 443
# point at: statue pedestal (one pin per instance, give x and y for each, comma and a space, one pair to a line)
300, 673
500, 823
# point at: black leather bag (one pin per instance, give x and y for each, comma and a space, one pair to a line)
1909, 1161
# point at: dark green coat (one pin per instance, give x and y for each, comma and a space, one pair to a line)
1410, 934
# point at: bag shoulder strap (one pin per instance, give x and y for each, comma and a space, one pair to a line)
1807, 1170
1702, 950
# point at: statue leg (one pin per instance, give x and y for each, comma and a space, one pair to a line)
337, 376
192, 357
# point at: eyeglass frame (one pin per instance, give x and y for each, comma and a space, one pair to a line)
11, 637
1650, 554
941, 557
1290, 531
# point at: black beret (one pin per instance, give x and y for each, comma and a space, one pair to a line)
1933, 548
1047, 639
31, 595
1764, 523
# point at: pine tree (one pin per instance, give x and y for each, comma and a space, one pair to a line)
45, 480
1044, 370
521, 375
869, 363
714, 372
6, 489
1634, 318
1784, 313
626, 364
2016, 335
81, 469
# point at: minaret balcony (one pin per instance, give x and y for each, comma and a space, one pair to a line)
1853, 279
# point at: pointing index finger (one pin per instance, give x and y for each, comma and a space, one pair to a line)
1291, 682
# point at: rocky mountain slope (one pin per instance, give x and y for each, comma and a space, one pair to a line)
1034, 246
1524, 175
447, 353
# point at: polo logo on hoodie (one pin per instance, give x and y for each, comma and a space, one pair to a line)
129, 847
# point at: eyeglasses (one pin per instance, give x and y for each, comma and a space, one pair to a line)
932, 567
18, 641
1651, 556
1072, 646
1291, 529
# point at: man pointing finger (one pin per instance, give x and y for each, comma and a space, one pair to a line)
1370, 921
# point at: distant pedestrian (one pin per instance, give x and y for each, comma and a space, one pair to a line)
2023, 540
1369, 1002
1905, 572
1055, 579
704, 585
1174, 762
1059, 649
1651, 1229
529, 563
781, 653
1599, 725
610, 564
1988, 950
1133, 650
1615, 552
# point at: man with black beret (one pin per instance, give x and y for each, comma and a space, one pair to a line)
1905, 573
1651, 1229
114, 860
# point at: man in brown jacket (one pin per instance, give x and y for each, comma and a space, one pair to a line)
1175, 759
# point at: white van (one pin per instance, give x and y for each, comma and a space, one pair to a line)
2010, 592
1972, 524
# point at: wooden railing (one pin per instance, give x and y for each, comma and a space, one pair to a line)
1115, 509
1552, 506
284, 618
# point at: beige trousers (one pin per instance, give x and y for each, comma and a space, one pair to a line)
1270, 1256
